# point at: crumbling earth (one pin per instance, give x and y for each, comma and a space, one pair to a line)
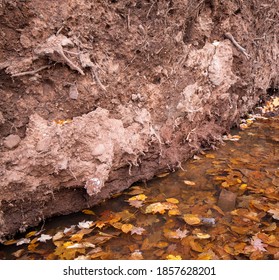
96, 95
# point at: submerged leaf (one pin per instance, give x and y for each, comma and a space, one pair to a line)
173, 257
172, 200
126, 227
159, 207
257, 244
137, 230
275, 213
191, 219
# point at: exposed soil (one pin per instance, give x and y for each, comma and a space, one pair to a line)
105, 93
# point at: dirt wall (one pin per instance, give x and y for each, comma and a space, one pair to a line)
96, 95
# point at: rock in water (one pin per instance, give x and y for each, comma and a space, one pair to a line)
227, 200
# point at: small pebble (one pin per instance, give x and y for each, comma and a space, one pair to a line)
12, 141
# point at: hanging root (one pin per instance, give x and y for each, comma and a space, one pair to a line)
235, 43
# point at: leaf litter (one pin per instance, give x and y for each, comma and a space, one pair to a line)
179, 215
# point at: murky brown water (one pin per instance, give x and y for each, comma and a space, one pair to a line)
178, 216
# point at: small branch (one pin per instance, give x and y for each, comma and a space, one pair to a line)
128, 20
32, 72
95, 76
235, 43
69, 62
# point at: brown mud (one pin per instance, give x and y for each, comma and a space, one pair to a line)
96, 95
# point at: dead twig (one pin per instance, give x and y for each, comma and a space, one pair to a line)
236, 44
68, 61
95, 76
32, 72
128, 20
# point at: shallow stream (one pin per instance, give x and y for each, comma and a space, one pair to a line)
222, 204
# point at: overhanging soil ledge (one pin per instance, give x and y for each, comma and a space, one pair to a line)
96, 95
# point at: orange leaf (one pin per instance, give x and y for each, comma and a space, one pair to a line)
126, 227
195, 246
172, 200
173, 257
191, 219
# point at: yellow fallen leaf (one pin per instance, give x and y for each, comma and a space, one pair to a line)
189, 183
77, 237
126, 227
58, 236
243, 187
162, 244
10, 242
229, 249
88, 212
225, 185
67, 244
159, 207
201, 235
174, 212
32, 247
240, 230
141, 197
173, 257
31, 233
172, 200
191, 219
195, 246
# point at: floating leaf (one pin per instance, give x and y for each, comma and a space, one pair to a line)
162, 244
174, 212
257, 244
136, 203
58, 236
175, 234
44, 238
191, 219
70, 230
10, 242
18, 253
271, 227
240, 230
23, 241
159, 207
172, 200
189, 183
30, 234
141, 197
88, 212
196, 246
85, 224
137, 230
173, 257
275, 213
81, 245
32, 247
201, 235
77, 237
126, 227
